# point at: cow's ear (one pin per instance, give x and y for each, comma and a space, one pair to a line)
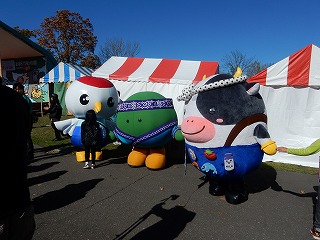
253, 88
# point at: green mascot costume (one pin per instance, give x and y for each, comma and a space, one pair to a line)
147, 121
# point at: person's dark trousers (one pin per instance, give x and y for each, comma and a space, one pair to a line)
30, 147
18, 226
317, 211
90, 149
57, 133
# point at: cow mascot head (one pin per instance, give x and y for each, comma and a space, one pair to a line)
225, 131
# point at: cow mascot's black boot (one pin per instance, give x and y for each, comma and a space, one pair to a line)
236, 192
218, 187
225, 131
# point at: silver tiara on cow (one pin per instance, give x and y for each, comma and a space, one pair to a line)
188, 92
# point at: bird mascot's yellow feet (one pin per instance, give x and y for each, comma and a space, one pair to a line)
137, 157
156, 159
98, 155
81, 157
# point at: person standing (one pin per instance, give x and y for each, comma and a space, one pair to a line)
90, 137
55, 113
313, 148
19, 88
16, 211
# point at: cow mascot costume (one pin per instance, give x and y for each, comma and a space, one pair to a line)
225, 131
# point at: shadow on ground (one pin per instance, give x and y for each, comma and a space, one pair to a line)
119, 154
172, 222
42, 153
261, 179
62, 197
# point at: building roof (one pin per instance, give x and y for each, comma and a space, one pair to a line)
14, 45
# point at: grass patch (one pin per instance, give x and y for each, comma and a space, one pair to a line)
43, 135
285, 167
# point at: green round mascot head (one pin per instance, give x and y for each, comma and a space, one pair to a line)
146, 120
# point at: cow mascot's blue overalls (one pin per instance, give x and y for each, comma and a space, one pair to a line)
225, 130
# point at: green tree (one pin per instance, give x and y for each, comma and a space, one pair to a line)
118, 47
69, 38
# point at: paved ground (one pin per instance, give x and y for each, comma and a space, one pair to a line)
115, 201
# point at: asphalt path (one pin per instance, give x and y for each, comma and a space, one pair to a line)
115, 201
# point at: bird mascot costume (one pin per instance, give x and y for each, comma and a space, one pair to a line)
225, 131
84, 94
147, 121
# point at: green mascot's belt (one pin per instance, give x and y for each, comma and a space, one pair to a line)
148, 135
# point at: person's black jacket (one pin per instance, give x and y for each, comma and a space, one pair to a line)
55, 111
15, 195
90, 133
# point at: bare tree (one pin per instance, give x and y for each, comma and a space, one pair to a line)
69, 38
118, 47
256, 67
235, 59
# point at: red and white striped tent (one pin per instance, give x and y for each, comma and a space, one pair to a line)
301, 69
165, 76
290, 89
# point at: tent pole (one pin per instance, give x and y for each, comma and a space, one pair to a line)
41, 108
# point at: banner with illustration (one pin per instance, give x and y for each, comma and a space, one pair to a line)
38, 92
24, 70
27, 71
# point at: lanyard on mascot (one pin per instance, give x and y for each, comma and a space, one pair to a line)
148, 135
185, 161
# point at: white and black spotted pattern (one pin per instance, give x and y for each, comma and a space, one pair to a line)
188, 92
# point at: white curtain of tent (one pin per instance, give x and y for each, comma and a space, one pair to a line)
293, 121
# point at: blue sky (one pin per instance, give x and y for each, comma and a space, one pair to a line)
207, 30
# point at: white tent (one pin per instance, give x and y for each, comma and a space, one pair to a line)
165, 76
290, 89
